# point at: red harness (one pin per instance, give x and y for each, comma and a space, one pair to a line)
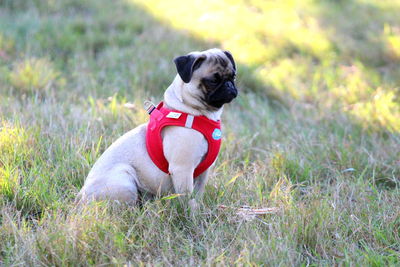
161, 117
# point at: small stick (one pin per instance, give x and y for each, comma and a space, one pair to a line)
251, 211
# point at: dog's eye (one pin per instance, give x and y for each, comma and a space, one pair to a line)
216, 78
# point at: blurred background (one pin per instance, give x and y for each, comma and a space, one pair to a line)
340, 54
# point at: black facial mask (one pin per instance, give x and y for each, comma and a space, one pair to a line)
223, 94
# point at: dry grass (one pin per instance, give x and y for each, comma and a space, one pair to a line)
315, 131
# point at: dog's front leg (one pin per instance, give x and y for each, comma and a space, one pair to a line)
183, 149
182, 179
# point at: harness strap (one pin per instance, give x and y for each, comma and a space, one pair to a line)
189, 121
161, 117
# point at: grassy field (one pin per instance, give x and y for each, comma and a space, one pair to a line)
314, 131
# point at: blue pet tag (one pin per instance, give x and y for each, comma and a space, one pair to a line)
217, 134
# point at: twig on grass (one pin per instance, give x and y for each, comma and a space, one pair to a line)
250, 213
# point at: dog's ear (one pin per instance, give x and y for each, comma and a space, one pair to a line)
186, 65
230, 57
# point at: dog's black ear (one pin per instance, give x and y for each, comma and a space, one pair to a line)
186, 65
229, 55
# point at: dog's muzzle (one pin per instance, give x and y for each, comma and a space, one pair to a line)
231, 89
224, 94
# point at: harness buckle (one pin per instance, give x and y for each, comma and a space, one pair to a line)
149, 106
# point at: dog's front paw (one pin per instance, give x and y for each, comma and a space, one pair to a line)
194, 206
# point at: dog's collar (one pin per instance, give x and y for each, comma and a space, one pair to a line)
161, 116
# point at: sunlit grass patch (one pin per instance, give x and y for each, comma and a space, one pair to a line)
15, 150
391, 36
25, 178
254, 33
34, 75
108, 111
288, 77
13, 140
382, 110
355, 83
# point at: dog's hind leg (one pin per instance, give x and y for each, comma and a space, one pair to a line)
117, 184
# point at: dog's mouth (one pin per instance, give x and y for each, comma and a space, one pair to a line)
222, 95
218, 103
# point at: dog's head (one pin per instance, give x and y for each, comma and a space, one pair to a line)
208, 78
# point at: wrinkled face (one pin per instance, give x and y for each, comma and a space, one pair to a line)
219, 84
212, 74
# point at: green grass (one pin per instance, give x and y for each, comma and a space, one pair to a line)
314, 131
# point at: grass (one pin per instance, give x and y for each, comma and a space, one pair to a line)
315, 131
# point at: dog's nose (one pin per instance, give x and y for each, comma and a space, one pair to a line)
234, 93
231, 88
229, 84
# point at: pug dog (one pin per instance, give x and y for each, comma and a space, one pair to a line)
204, 83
